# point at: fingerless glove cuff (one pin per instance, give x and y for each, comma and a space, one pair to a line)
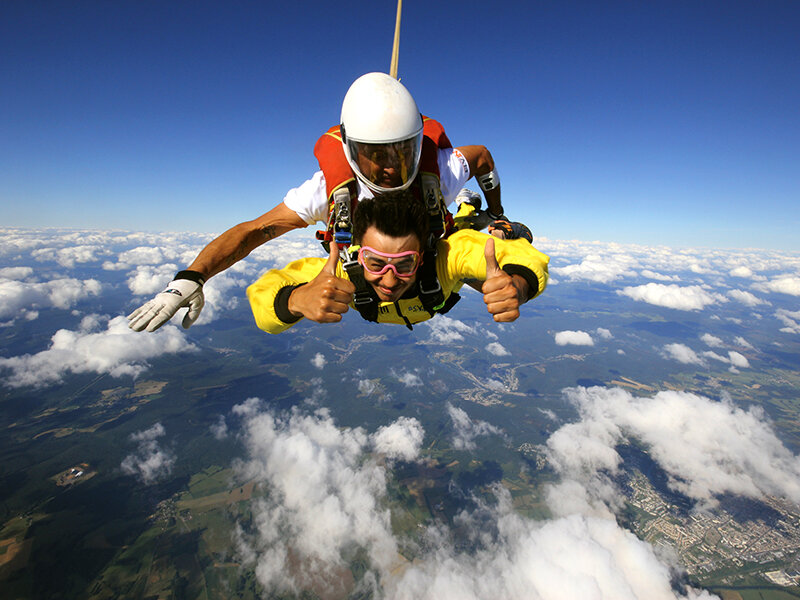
191, 276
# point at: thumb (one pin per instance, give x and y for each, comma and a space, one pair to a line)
492, 268
333, 258
195, 306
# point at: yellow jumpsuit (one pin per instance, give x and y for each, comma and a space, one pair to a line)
460, 257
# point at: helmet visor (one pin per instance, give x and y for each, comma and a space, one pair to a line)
387, 166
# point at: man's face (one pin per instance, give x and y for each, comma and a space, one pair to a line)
387, 165
389, 286
379, 164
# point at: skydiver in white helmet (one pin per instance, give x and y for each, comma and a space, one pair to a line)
382, 144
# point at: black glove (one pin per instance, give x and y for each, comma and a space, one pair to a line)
511, 230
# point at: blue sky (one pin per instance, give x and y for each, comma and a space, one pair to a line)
671, 123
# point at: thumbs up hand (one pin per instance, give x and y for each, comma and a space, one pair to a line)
502, 293
325, 298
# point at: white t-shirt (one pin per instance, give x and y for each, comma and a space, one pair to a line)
310, 201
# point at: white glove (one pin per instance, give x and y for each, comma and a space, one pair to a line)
179, 293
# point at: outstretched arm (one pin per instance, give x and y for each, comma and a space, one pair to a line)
239, 241
186, 290
480, 163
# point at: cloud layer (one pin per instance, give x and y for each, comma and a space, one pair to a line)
740, 454
691, 297
22, 298
326, 504
117, 351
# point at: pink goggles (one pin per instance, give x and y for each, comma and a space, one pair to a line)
404, 264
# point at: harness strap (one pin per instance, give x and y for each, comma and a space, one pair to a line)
405, 318
342, 202
430, 290
431, 192
364, 298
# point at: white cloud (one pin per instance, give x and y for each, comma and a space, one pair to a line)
683, 354
604, 333
601, 269
367, 386
659, 276
740, 455
746, 298
715, 356
712, 340
219, 429
70, 256
402, 439
738, 360
789, 319
143, 255
319, 361
467, 429
489, 334
17, 297
445, 330
181, 250
249, 408
571, 557
307, 530
574, 338
742, 271
550, 414
150, 462
701, 267
92, 322
691, 297
117, 351
324, 502
497, 349
318, 392
15, 272
784, 284
291, 246
146, 280
735, 359
407, 378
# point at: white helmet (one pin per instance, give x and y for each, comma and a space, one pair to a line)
381, 132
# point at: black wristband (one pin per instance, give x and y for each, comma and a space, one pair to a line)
281, 304
191, 276
495, 217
